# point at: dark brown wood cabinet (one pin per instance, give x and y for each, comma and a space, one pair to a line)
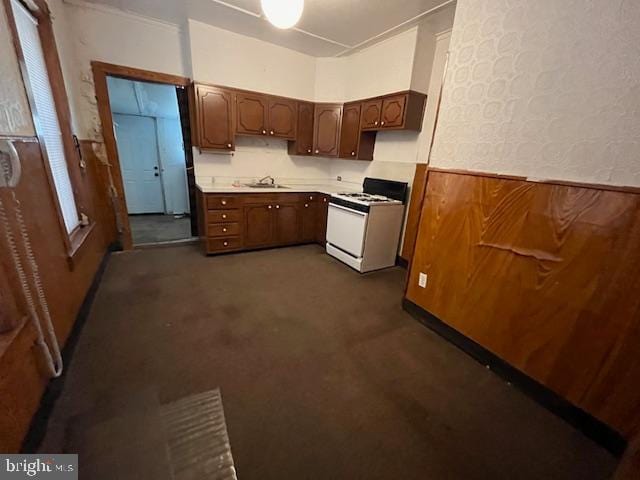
321, 129
303, 144
252, 112
326, 129
355, 143
371, 110
215, 114
245, 221
287, 223
283, 120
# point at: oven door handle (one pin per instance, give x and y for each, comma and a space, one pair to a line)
346, 209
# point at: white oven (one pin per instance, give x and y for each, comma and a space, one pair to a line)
346, 229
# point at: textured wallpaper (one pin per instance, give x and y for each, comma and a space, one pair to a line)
548, 89
15, 115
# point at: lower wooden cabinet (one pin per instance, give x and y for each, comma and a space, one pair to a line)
248, 221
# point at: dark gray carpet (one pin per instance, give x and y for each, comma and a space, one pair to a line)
323, 375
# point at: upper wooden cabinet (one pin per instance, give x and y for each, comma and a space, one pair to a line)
322, 129
326, 129
303, 144
355, 143
371, 111
215, 114
283, 118
252, 112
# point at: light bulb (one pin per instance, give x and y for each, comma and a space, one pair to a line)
282, 13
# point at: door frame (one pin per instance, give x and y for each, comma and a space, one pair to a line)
101, 71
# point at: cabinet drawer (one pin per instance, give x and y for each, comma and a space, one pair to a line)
223, 229
222, 201
223, 244
221, 216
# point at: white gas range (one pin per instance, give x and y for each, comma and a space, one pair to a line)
363, 229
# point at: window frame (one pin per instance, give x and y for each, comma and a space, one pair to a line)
72, 240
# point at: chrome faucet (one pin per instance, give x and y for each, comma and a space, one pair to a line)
267, 179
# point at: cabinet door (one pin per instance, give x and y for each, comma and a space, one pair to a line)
282, 118
215, 117
350, 132
321, 225
371, 114
258, 225
251, 113
326, 132
304, 135
309, 221
393, 110
287, 223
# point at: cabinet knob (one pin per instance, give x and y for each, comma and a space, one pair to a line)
226, 244
277, 206
223, 202
308, 150
381, 123
224, 215
310, 197
306, 205
376, 122
270, 207
271, 132
324, 200
353, 154
264, 132
228, 145
224, 230
317, 151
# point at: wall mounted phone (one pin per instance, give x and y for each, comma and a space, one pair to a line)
10, 168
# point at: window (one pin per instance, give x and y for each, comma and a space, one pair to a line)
46, 116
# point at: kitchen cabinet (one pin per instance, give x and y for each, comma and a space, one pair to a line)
303, 144
245, 221
326, 130
371, 111
258, 225
286, 223
321, 226
252, 112
283, 118
215, 116
355, 143
393, 109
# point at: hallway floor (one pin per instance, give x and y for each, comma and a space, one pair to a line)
322, 376
159, 228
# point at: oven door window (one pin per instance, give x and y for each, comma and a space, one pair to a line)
346, 229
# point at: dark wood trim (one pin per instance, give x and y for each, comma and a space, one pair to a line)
563, 183
100, 72
402, 262
593, 428
132, 73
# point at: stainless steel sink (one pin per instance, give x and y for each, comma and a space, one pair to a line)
263, 185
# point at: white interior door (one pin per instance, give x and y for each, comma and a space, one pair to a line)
138, 151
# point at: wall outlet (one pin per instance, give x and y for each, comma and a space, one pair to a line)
339, 178
422, 280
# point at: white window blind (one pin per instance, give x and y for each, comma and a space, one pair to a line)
46, 115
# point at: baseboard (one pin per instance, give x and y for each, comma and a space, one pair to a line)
38, 427
402, 262
590, 426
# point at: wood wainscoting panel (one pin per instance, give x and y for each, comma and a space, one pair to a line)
545, 276
415, 207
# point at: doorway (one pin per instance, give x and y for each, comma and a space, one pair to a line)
146, 128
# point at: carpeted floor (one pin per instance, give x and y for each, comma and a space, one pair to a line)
322, 375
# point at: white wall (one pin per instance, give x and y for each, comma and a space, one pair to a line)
545, 89
226, 58
85, 33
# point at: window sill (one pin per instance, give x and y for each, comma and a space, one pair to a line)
76, 241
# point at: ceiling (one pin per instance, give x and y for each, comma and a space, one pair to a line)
327, 27
142, 98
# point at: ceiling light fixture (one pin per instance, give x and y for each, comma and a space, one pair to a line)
282, 13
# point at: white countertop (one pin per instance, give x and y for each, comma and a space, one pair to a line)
327, 188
